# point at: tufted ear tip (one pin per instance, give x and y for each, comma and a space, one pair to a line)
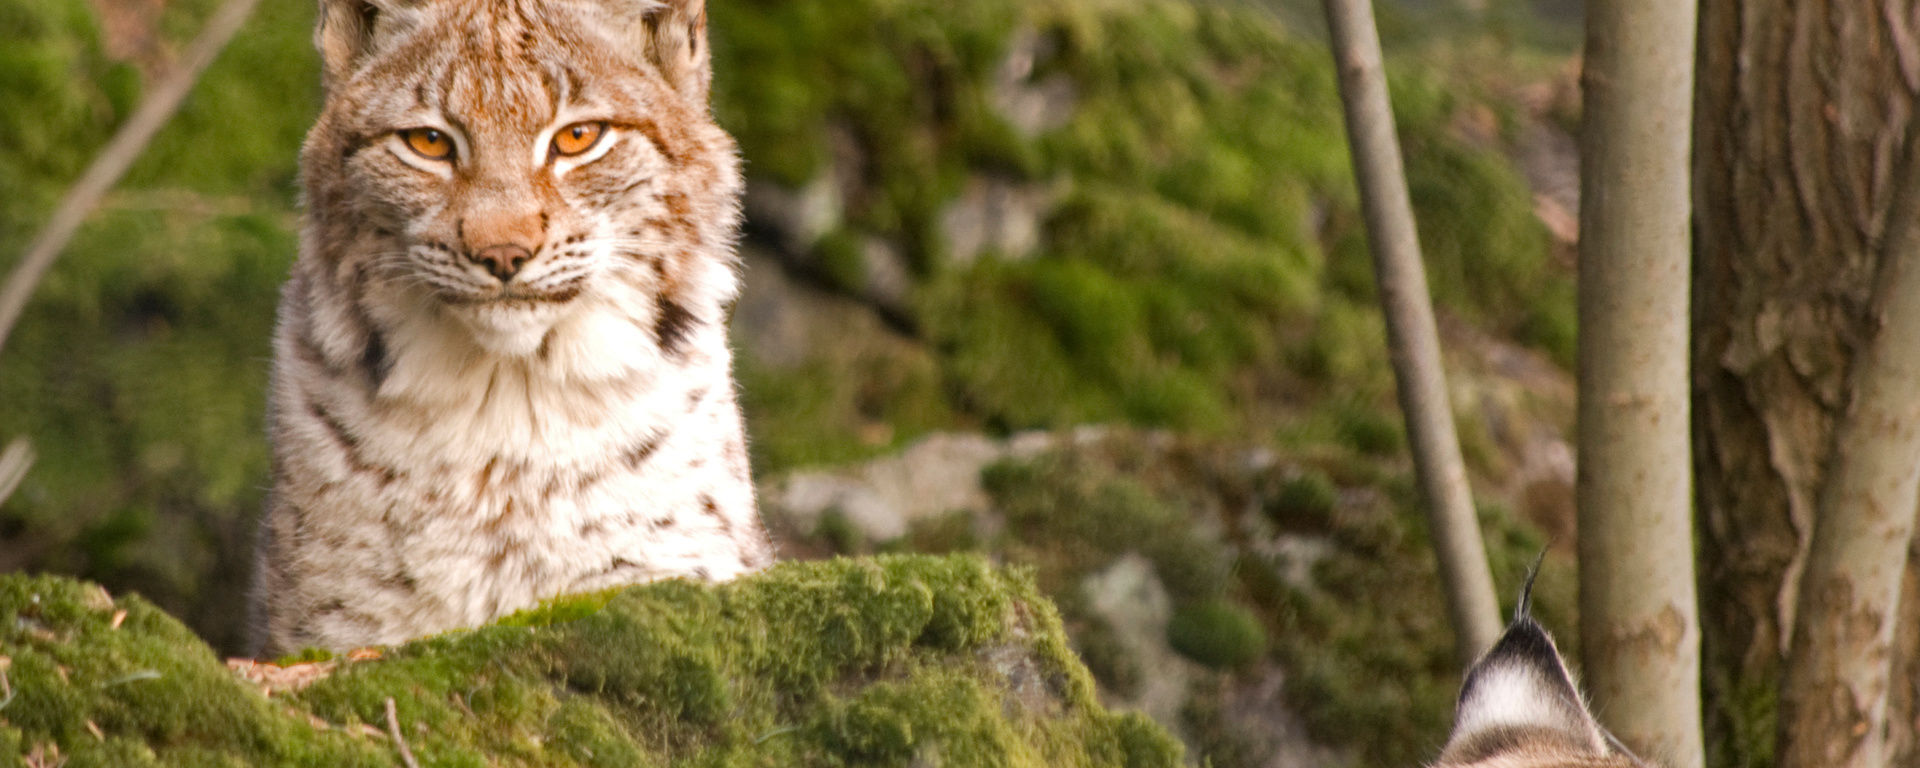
673, 36
1520, 692
347, 31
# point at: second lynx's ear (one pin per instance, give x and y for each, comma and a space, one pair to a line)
1519, 708
349, 29
676, 40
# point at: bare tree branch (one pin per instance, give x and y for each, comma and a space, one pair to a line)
15, 460
115, 158
1412, 341
399, 741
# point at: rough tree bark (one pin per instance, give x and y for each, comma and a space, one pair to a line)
1803, 116
1833, 702
1413, 345
1639, 630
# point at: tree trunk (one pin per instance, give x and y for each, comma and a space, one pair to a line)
1639, 629
1833, 702
1802, 116
1413, 345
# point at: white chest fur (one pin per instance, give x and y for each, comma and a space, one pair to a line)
438, 484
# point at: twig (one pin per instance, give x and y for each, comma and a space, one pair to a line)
135, 676
1412, 338
113, 161
14, 463
393, 729
762, 739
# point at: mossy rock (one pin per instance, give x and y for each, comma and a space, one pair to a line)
880, 661
1219, 634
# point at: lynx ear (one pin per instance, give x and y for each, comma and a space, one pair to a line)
1519, 693
673, 35
348, 31
1522, 687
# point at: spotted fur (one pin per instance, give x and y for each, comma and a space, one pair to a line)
448, 445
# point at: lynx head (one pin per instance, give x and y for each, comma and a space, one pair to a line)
1519, 708
502, 167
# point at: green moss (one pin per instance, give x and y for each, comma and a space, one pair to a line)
1200, 266
1485, 250
831, 663
137, 370
787, 73
1370, 430
841, 261
1370, 659
944, 533
1071, 516
558, 610
147, 681
840, 534
864, 391
1217, 633
1199, 257
253, 104
1345, 347
590, 735
1207, 718
50, 58
1111, 662
1308, 495
1204, 153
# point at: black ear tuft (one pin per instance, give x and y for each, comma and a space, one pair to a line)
1524, 610
1521, 691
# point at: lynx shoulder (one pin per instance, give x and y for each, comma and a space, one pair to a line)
500, 368
1519, 708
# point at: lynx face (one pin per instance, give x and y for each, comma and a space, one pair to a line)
503, 163
501, 370
1519, 708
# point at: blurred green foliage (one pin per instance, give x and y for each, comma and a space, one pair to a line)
1335, 583
1219, 634
139, 370
1199, 266
1199, 253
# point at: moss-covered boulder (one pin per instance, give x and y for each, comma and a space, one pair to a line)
1268, 604
885, 661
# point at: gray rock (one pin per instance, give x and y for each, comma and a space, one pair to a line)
800, 217
1032, 104
935, 476
1129, 597
995, 214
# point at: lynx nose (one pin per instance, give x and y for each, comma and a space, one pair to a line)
503, 261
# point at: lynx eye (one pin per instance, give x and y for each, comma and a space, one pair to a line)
577, 138
428, 143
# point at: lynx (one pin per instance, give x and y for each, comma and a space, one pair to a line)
500, 368
1519, 708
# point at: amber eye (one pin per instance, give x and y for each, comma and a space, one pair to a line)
428, 143
577, 138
